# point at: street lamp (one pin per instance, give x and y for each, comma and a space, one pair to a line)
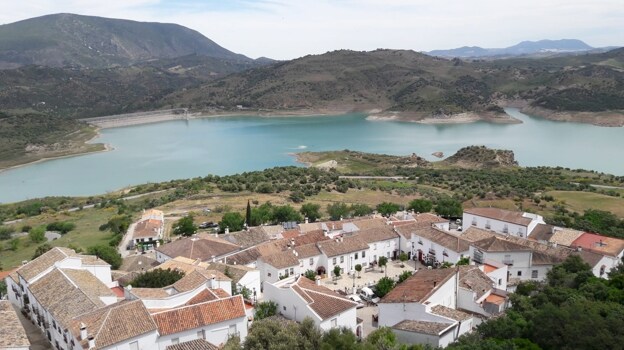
353, 275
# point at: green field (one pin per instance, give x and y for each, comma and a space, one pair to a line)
581, 201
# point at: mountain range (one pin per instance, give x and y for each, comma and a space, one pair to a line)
541, 48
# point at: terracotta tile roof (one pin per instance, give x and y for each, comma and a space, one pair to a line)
12, 333
115, 323
341, 246
377, 234
199, 315
419, 287
435, 235
323, 301
198, 248
590, 258
5, 274
190, 281
203, 296
313, 226
473, 234
369, 223
221, 293
310, 237
498, 244
149, 293
235, 272
429, 218
118, 291
138, 263
246, 239
489, 268
433, 328
451, 313
495, 299
472, 278
245, 257
290, 234
565, 236
272, 230
92, 260
197, 344
147, 229
88, 283
281, 260
307, 251
43, 262
513, 217
600, 244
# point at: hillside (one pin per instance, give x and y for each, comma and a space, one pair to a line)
420, 86
62, 40
481, 157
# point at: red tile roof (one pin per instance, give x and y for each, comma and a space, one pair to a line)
199, 315
419, 287
599, 244
514, 217
323, 301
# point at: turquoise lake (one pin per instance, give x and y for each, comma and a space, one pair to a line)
228, 145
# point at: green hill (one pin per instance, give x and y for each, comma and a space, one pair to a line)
62, 40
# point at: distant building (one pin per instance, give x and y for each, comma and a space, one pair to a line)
502, 221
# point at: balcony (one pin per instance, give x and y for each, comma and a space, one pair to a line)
432, 251
488, 226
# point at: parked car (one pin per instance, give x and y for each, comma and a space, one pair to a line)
208, 224
367, 294
357, 299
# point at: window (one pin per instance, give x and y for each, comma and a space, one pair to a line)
311, 261
342, 259
269, 274
474, 222
284, 307
602, 270
388, 255
487, 224
519, 273
175, 341
388, 244
286, 272
134, 345
363, 254
334, 322
505, 229
201, 334
232, 329
356, 256
292, 271
500, 281
334, 261
375, 246
534, 274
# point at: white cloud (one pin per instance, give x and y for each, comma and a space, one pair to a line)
286, 29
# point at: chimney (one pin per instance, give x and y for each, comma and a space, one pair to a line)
341, 239
227, 230
214, 259
91, 342
83, 329
306, 220
318, 280
434, 284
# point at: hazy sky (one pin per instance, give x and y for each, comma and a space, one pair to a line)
284, 29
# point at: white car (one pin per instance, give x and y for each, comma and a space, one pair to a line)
368, 295
357, 299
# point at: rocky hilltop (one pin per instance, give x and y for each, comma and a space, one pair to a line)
481, 157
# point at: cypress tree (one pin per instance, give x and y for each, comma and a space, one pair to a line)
248, 214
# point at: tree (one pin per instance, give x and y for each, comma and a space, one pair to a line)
449, 207
234, 221
463, 261
37, 234
404, 275
14, 244
382, 338
403, 258
118, 224
108, 254
384, 286
361, 210
61, 227
358, 268
248, 214
157, 278
311, 211
388, 208
185, 226
420, 205
337, 270
7, 231
262, 214
297, 196
285, 213
339, 338
310, 274
42, 249
337, 211
383, 261
3, 288
265, 309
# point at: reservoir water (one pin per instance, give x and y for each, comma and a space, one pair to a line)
228, 145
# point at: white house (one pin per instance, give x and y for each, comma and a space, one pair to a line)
502, 221
214, 321
279, 265
346, 252
432, 245
298, 298
241, 275
204, 248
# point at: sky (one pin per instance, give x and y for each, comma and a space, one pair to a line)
286, 29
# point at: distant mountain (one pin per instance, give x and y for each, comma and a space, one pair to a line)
541, 47
68, 40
